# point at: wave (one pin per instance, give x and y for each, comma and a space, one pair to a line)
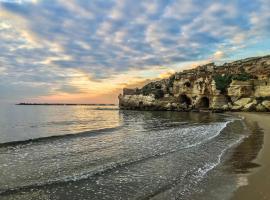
104, 169
207, 167
200, 173
58, 137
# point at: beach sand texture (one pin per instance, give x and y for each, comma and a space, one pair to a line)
255, 185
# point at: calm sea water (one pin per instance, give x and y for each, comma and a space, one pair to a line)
93, 152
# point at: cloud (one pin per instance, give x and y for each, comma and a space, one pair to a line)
46, 43
219, 55
69, 89
19, 1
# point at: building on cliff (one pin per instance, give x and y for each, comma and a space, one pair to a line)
242, 85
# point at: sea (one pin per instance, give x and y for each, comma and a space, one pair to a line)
101, 152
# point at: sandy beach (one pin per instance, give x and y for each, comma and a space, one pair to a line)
254, 180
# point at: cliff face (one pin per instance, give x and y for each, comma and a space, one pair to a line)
242, 85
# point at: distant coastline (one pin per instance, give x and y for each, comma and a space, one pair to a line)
62, 104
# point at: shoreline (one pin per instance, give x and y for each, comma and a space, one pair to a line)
254, 182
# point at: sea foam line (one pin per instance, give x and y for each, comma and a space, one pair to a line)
108, 168
201, 172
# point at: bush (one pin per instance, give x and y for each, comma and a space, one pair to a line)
170, 83
171, 80
242, 77
147, 89
223, 82
158, 94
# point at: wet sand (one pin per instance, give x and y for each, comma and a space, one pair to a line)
254, 175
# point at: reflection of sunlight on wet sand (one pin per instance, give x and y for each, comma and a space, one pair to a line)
254, 184
242, 180
242, 159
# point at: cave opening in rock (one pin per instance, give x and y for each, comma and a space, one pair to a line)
204, 102
184, 99
140, 104
187, 84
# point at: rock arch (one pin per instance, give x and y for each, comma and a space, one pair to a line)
184, 99
203, 102
187, 84
140, 104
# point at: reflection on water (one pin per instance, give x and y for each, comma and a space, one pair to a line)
148, 155
28, 122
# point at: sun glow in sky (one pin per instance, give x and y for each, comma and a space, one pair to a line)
87, 51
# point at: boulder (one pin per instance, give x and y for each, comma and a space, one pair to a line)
226, 107
166, 95
260, 108
237, 107
250, 106
266, 104
174, 105
242, 102
168, 106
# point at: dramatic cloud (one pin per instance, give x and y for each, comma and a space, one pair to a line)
88, 49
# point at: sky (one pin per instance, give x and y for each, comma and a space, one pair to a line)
76, 51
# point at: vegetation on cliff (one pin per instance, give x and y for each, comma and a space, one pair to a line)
154, 88
223, 82
242, 77
242, 85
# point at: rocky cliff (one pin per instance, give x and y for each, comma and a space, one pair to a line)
243, 85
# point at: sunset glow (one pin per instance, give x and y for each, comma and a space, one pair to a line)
87, 51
